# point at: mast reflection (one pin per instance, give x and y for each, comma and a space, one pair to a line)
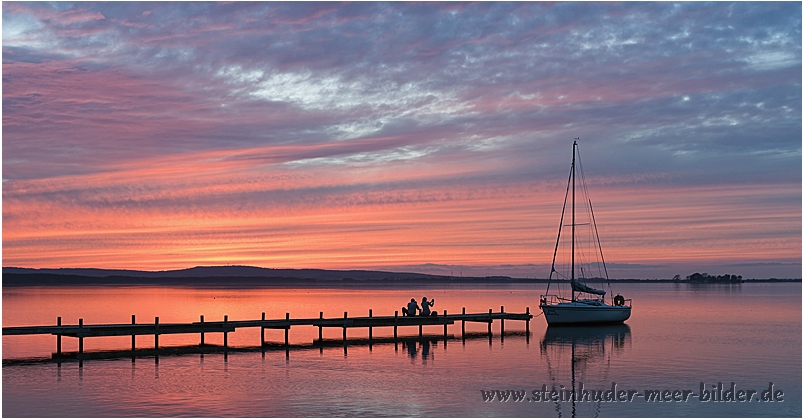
581, 355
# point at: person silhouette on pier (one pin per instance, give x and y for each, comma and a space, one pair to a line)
411, 309
426, 307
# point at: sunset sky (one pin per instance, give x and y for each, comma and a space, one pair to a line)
417, 137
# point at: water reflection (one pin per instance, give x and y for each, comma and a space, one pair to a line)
415, 347
716, 288
579, 357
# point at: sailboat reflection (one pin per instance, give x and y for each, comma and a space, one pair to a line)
587, 352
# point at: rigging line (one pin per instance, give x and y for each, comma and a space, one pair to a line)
583, 176
558, 238
594, 223
584, 192
599, 247
581, 254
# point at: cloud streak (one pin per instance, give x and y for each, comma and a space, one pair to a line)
128, 126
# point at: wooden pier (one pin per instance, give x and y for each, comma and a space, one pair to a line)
226, 326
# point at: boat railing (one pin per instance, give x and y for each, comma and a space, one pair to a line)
555, 299
626, 302
552, 299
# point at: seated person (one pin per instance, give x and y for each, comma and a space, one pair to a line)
425, 311
411, 309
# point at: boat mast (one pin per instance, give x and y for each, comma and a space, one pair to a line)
558, 237
574, 144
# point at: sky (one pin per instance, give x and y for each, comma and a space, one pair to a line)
427, 137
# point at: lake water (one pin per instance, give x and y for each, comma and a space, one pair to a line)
679, 335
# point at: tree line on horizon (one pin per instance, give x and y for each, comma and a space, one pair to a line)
706, 278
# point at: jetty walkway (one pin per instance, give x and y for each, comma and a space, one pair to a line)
202, 327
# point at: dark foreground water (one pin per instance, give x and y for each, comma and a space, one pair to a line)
679, 336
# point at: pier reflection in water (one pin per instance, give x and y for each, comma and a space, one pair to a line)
420, 349
581, 356
682, 335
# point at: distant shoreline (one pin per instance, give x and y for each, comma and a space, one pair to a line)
51, 279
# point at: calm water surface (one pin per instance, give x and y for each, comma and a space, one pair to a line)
678, 336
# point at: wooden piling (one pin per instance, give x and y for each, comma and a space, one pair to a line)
370, 335
527, 326
156, 333
133, 337
80, 337
320, 328
420, 330
262, 331
225, 333
58, 336
396, 320
490, 322
202, 331
287, 329
502, 322
463, 323
445, 325
344, 328
527, 322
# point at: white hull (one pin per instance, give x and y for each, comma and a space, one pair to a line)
582, 313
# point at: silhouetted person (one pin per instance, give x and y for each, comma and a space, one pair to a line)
411, 309
426, 307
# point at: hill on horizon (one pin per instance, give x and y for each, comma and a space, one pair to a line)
235, 274
229, 271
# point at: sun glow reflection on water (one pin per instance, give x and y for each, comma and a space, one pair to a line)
678, 336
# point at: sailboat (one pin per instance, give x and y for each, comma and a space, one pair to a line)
585, 305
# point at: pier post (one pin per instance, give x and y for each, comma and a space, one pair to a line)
344, 328
463, 323
445, 325
133, 336
502, 321
527, 321
80, 336
370, 335
320, 329
58, 337
225, 333
156, 333
396, 320
202, 330
490, 321
420, 330
262, 331
287, 328
527, 326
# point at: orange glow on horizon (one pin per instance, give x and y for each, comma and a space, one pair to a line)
180, 215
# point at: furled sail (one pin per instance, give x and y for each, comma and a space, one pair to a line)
580, 287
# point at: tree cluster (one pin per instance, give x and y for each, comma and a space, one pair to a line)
706, 278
